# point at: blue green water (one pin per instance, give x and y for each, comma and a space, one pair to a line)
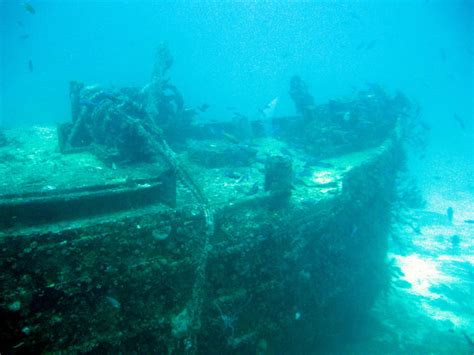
243, 54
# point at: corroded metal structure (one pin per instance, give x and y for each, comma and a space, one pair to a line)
100, 258
147, 232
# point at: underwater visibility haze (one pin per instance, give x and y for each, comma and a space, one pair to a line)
237, 177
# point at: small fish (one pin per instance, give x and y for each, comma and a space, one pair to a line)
354, 231
19, 23
29, 8
113, 302
354, 16
231, 108
269, 109
450, 214
442, 54
230, 138
371, 45
203, 107
360, 46
105, 94
425, 126
30, 65
25, 36
455, 240
460, 121
469, 221
87, 103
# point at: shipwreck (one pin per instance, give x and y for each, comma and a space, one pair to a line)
133, 228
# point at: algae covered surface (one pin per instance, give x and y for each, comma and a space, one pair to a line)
236, 177
135, 269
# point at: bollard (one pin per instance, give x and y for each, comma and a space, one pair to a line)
278, 177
